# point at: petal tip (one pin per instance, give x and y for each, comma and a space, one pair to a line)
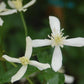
28, 37
48, 65
56, 68
12, 81
53, 17
69, 79
4, 56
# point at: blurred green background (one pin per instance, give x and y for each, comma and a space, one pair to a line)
12, 39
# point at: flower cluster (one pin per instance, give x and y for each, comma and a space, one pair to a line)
16, 6
56, 40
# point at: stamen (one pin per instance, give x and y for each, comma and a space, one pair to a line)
24, 60
57, 39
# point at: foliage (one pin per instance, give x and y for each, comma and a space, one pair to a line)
38, 27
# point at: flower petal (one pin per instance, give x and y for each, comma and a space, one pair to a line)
19, 74
29, 4
39, 42
57, 59
77, 42
10, 3
54, 24
40, 66
28, 51
8, 12
69, 79
1, 22
11, 59
2, 5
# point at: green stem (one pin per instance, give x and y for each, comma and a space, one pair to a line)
13, 64
24, 24
29, 80
1, 47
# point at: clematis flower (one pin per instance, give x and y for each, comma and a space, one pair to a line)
25, 60
18, 5
57, 40
4, 10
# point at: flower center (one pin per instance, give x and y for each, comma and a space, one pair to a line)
57, 39
17, 4
24, 60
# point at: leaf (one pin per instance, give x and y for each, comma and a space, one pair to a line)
6, 77
57, 79
51, 77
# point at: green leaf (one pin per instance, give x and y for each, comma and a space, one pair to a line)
51, 77
6, 76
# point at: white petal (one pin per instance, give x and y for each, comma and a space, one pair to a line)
40, 66
8, 12
2, 6
69, 79
1, 22
29, 4
57, 59
28, 51
10, 3
39, 42
19, 74
54, 24
11, 59
47, 82
77, 42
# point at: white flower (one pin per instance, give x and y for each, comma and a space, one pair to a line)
4, 10
25, 60
18, 5
57, 40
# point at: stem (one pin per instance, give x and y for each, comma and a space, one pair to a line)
29, 80
13, 64
24, 24
1, 47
